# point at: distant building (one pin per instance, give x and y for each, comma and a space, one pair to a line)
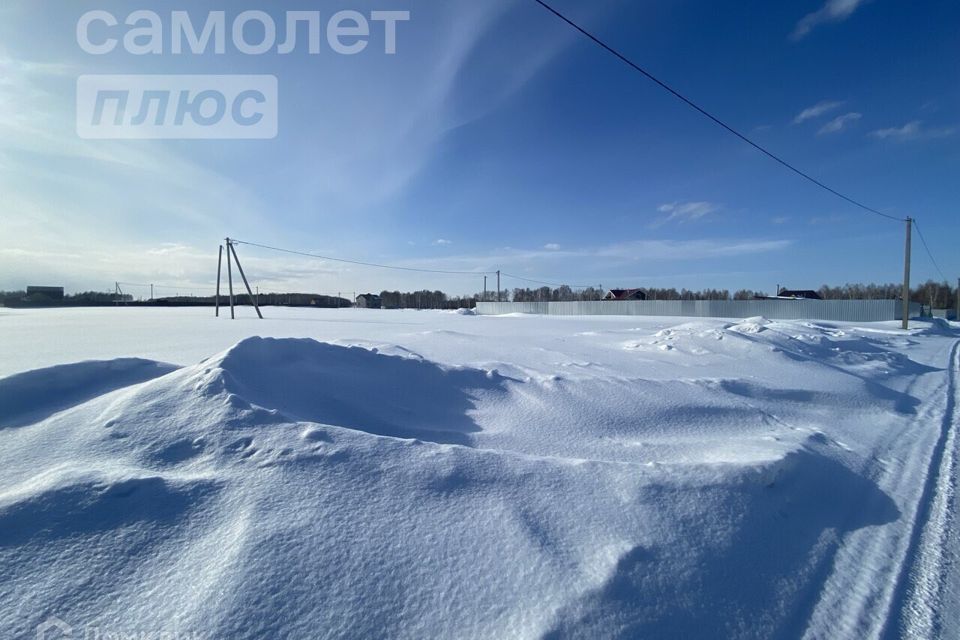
369, 301
54, 293
799, 294
625, 294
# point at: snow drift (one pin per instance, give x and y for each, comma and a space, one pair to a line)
295, 488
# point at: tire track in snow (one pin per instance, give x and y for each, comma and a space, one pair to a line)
916, 609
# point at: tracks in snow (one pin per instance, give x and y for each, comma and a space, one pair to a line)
917, 609
887, 582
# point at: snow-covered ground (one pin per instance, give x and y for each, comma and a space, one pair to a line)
404, 474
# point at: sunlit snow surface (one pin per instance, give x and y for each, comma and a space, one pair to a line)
404, 474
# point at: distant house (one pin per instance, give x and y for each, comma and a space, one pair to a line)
54, 293
369, 301
625, 294
799, 294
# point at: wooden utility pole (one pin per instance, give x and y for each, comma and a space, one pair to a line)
219, 264
230, 281
498, 285
233, 249
906, 276
484, 288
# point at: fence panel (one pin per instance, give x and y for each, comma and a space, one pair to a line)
842, 310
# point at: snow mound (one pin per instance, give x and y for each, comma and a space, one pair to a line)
751, 325
67, 503
34, 395
295, 488
935, 327
352, 387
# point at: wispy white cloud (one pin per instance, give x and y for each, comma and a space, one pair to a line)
840, 123
914, 130
817, 110
187, 268
909, 130
685, 211
190, 267
603, 255
832, 11
780, 219
552, 246
63, 195
440, 242
168, 248
363, 152
691, 249
443, 85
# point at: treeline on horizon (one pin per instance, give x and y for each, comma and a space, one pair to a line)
104, 299
937, 295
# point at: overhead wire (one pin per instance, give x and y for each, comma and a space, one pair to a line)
164, 286
693, 105
729, 128
926, 247
549, 284
414, 269
361, 263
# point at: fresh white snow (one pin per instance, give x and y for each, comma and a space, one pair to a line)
403, 474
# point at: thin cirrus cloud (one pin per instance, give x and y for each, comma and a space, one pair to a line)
913, 130
366, 166
690, 249
686, 211
821, 108
170, 268
605, 256
840, 123
832, 11
114, 192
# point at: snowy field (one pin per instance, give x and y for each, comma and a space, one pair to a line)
403, 474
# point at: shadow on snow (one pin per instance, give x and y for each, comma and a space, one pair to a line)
787, 534
358, 388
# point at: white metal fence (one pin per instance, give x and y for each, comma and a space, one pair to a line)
848, 310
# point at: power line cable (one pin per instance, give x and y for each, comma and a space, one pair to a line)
165, 286
383, 266
927, 249
364, 264
549, 284
709, 115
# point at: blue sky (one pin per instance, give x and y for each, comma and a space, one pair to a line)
497, 137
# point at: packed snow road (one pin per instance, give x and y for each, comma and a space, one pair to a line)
927, 597
402, 474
